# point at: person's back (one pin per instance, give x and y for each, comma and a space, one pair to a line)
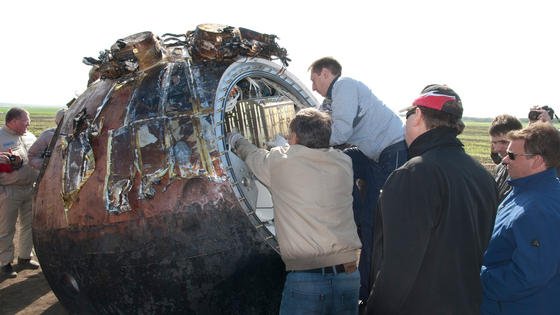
373, 136
447, 281
434, 219
311, 187
361, 119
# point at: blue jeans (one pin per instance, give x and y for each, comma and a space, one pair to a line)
373, 174
317, 293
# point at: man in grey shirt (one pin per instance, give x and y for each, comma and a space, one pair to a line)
375, 139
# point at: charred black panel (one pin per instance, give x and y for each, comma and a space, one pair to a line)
205, 259
179, 90
206, 84
147, 98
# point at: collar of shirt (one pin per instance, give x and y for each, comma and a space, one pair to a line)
329, 91
535, 180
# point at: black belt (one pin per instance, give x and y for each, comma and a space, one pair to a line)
330, 269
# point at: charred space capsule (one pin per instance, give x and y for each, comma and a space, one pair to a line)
141, 208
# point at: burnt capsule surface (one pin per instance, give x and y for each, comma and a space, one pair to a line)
141, 208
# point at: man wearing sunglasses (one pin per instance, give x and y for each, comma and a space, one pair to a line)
500, 126
434, 219
521, 269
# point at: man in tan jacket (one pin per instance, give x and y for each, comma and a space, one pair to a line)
311, 187
16, 190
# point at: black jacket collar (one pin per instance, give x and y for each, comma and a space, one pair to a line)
437, 137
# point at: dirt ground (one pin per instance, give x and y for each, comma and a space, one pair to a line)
28, 294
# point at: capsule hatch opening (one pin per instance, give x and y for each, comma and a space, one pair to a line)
260, 119
258, 99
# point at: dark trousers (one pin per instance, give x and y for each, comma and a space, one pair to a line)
369, 177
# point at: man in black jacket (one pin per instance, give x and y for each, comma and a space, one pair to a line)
500, 126
434, 219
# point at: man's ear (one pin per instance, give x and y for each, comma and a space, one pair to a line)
292, 138
539, 163
417, 118
418, 121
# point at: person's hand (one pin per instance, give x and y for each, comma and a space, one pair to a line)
278, 141
10, 162
15, 160
543, 116
232, 139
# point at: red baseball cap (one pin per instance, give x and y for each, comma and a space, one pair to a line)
440, 98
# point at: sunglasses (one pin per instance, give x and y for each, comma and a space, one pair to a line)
410, 112
512, 155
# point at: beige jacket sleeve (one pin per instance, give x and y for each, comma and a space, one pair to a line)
35, 153
256, 159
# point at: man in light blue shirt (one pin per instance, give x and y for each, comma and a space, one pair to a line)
374, 135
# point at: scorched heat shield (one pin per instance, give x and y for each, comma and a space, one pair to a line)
141, 208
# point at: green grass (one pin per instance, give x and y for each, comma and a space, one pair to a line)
477, 141
42, 118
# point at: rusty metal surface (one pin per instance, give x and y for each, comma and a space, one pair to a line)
139, 209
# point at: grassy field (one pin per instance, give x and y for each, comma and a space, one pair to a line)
476, 140
41, 118
475, 137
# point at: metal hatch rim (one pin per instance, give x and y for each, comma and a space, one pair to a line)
237, 71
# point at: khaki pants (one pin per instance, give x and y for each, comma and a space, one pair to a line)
15, 201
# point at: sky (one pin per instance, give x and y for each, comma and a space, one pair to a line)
499, 56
